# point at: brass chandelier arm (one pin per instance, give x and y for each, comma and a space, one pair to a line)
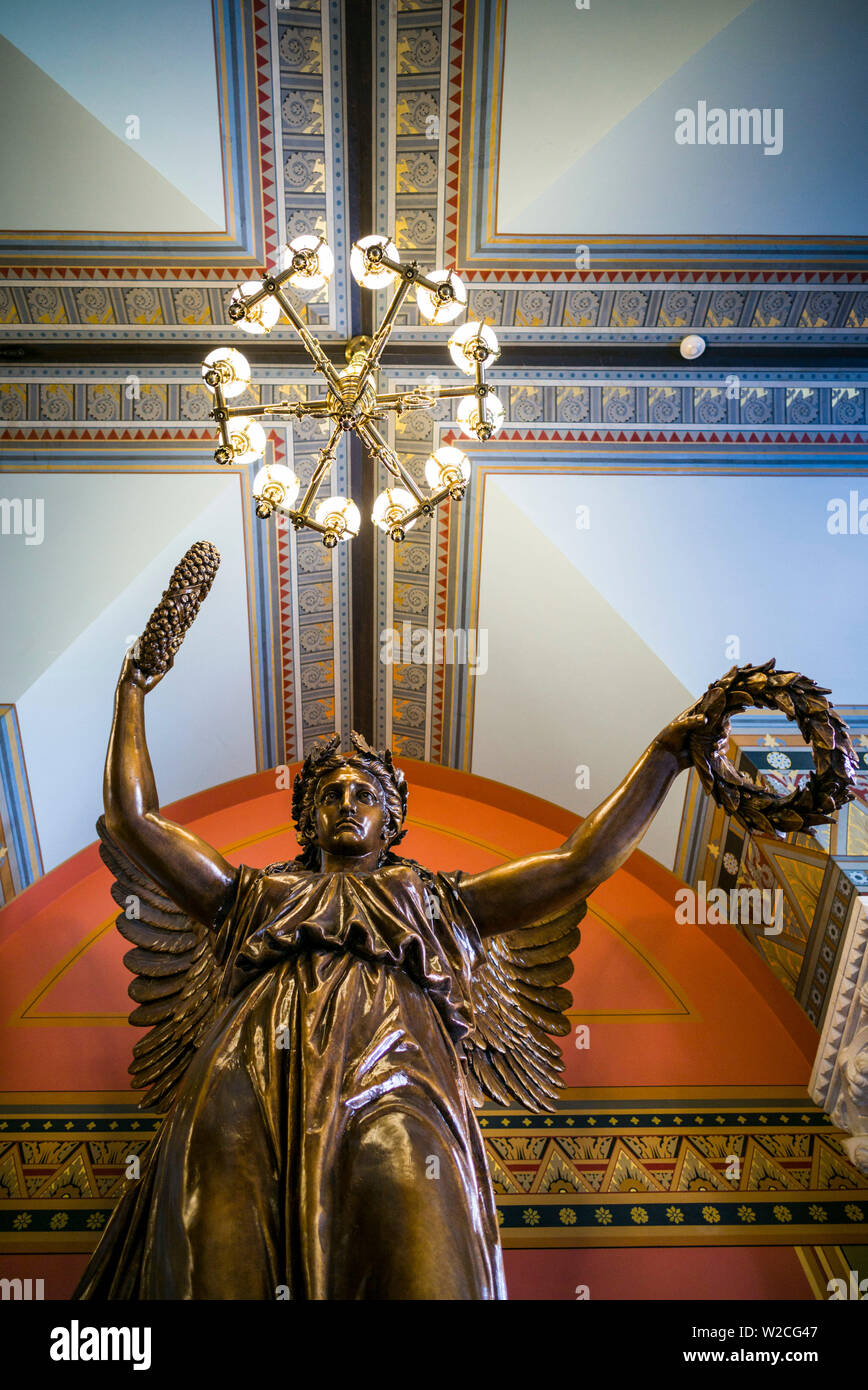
409, 400
300, 519
450, 392
296, 411
220, 414
406, 400
326, 458
350, 401
416, 275
426, 506
380, 448
387, 403
381, 337
312, 346
262, 293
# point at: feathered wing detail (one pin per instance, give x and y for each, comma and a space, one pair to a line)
177, 976
518, 1004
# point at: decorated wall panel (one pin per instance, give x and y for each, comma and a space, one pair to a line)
282, 140
439, 149
712, 1145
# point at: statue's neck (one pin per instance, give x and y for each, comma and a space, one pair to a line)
349, 863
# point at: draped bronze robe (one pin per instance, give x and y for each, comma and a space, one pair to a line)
322, 1144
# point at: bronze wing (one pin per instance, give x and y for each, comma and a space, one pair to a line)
519, 1003
177, 976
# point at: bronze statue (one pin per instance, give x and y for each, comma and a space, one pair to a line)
320, 1030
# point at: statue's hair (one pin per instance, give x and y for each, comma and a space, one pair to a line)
325, 759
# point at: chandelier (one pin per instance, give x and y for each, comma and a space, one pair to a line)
352, 400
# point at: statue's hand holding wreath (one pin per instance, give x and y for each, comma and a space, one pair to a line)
700, 736
693, 723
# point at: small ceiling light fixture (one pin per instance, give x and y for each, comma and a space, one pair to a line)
692, 346
352, 399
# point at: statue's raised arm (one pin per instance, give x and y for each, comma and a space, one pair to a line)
171, 886
528, 912
557, 881
194, 874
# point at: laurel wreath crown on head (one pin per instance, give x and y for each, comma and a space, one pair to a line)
325, 758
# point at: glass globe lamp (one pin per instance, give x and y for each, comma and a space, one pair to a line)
311, 260
257, 318
365, 270
247, 439
232, 368
275, 486
340, 516
441, 310
473, 343
481, 419
447, 467
389, 511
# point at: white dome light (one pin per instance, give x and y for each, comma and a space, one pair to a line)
340, 516
446, 468
476, 425
277, 484
372, 277
692, 346
261, 317
471, 343
319, 262
233, 368
390, 509
247, 438
435, 309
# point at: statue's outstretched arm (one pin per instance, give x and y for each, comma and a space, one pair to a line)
546, 884
191, 872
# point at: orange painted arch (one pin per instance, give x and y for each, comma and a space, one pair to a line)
670, 1009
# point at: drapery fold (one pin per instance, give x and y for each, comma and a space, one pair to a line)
322, 1143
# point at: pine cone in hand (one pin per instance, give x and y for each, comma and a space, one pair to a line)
174, 614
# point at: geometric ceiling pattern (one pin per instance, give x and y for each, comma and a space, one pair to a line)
72, 162
533, 149
104, 327
661, 95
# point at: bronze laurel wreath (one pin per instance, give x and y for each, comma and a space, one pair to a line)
800, 699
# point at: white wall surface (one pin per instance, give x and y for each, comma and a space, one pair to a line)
199, 719
569, 682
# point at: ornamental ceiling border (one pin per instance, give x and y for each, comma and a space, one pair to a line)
431, 581
298, 593
281, 68
436, 85
584, 1176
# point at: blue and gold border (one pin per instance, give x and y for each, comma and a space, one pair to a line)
582, 1176
478, 56
240, 34
23, 856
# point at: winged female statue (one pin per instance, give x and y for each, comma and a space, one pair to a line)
320, 1030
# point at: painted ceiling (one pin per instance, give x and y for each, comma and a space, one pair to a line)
532, 146
641, 523
596, 151
91, 116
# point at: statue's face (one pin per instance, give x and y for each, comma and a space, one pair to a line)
350, 813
